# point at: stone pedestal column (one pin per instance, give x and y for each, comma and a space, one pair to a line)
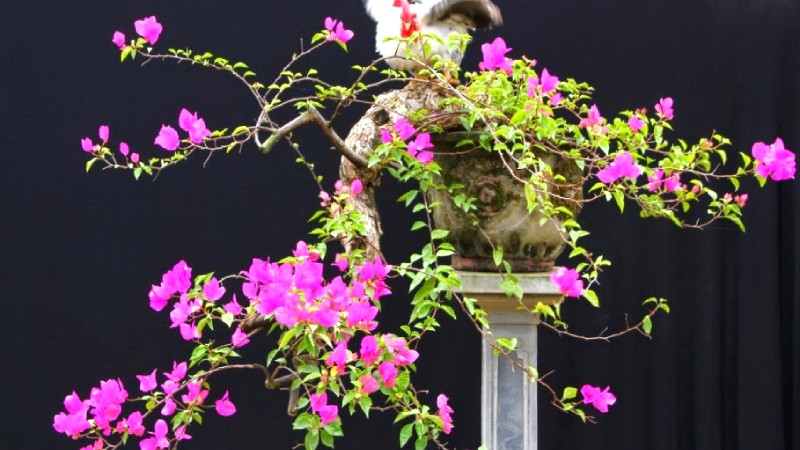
508, 399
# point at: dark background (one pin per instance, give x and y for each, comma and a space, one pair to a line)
81, 250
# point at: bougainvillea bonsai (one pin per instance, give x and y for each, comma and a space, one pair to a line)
325, 348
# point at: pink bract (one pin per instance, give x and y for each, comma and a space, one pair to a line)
168, 138
225, 406
148, 28
568, 281
494, 56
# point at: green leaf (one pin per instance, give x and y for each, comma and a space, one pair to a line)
569, 392
619, 197
507, 344
519, 117
497, 255
327, 439
227, 318
405, 433
365, 403
302, 422
647, 324
591, 297
90, 163
439, 234
312, 439
421, 443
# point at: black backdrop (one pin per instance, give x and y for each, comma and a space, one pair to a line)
80, 251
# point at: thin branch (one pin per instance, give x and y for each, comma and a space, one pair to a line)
312, 116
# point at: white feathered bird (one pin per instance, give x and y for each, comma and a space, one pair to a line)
401, 18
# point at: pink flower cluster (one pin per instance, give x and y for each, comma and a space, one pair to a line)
97, 414
89, 146
671, 184
543, 86
196, 127
319, 405
568, 281
296, 292
418, 148
388, 352
774, 160
594, 121
494, 56
337, 30
664, 108
444, 411
622, 167
149, 28
600, 399
104, 405
740, 200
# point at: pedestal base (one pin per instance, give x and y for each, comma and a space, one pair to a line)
508, 399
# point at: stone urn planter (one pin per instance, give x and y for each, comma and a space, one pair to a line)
501, 218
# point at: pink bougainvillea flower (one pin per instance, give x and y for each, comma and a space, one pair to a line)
74, 421
386, 137
341, 262
239, 338
212, 290
135, 158
131, 424
124, 150
181, 434
147, 382
774, 161
178, 372
635, 123
356, 187
370, 353
194, 393
594, 118
167, 138
338, 357
404, 129
368, 384
87, 145
654, 181
118, 39
169, 407
195, 126
159, 439
361, 314
664, 108
319, 405
444, 412
149, 29
388, 373
545, 84
106, 403
741, 200
337, 30
102, 132
673, 182
189, 331
225, 406
622, 167
600, 399
494, 56
417, 148
556, 98
233, 307
568, 281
